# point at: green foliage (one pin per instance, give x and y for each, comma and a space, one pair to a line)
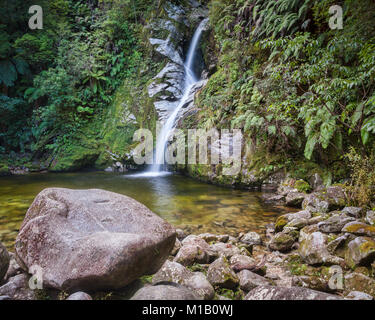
64, 76
293, 85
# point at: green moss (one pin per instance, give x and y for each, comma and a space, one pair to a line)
146, 279
360, 228
281, 222
230, 294
302, 186
368, 246
197, 268
73, 158
296, 266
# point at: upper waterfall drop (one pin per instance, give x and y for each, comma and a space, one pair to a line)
190, 80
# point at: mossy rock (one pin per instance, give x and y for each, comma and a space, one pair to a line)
282, 242
360, 252
281, 222
360, 229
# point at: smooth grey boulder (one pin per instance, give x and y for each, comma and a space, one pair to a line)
220, 274
250, 280
17, 288
4, 261
165, 291
79, 296
177, 273
292, 293
92, 239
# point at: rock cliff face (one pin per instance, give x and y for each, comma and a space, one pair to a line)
168, 36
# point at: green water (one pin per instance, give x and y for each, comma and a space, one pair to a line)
197, 207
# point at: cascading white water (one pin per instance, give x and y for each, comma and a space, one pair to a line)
190, 80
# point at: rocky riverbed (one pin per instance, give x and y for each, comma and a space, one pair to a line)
94, 244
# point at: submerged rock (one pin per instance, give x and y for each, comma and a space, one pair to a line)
293, 293
92, 239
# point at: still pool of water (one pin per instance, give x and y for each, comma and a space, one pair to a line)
197, 207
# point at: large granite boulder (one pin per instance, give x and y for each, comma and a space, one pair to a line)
91, 239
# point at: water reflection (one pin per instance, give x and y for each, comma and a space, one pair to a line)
184, 202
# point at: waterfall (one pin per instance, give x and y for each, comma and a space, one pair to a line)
190, 80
